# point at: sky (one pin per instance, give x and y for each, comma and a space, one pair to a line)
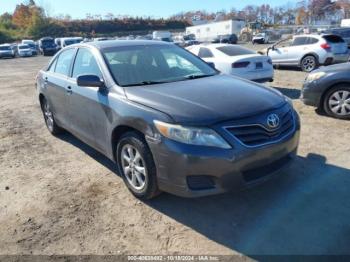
154, 8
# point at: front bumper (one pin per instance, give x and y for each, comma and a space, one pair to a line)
25, 54
181, 168
311, 93
6, 55
259, 40
50, 51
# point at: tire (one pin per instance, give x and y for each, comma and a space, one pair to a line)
308, 63
246, 37
336, 102
49, 119
141, 179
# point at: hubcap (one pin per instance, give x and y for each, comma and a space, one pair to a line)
48, 116
134, 167
339, 103
309, 63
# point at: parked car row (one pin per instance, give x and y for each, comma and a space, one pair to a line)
13, 50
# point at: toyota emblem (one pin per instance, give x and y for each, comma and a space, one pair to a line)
273, 121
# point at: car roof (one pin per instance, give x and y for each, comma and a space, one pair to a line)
5, 45
309, 35
122, 43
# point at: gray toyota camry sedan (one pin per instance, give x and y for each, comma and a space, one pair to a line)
167, 119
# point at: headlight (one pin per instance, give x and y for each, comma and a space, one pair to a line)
191, 135
315, 76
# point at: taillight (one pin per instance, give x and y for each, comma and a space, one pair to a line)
326, 46
240, 64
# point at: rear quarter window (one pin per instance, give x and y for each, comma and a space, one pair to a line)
205, 53
312, 41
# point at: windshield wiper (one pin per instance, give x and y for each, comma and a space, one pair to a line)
145, 83
198, 76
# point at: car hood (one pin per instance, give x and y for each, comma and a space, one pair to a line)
334, 68
207, 100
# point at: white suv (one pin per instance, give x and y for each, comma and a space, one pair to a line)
309, 51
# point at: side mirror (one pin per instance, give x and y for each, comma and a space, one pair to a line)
211, 64
90, 81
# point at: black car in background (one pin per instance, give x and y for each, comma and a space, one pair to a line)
226, 39
47, 46
328, 88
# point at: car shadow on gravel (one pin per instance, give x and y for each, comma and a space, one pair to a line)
102, 159
304, 211
287, 68
292, 93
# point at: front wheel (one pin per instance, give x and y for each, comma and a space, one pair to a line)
337, 102
136, 165
309, 63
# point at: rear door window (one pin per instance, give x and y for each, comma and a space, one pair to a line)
300, 41
52, 66
85, 64
64, 62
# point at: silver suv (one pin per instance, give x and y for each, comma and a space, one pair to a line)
309, 51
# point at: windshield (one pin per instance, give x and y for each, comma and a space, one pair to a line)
5, 48
47, 42
71, 41
23, 47
231, 50
152, 64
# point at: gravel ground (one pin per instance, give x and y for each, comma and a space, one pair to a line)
59, 196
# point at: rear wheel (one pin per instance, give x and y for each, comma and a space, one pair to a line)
337, 102
136, 165
50, 122
309, 63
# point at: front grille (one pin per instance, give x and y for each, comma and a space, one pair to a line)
259, 134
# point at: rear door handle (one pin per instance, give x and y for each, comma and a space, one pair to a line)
69, 90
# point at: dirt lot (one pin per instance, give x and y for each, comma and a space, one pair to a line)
59, 196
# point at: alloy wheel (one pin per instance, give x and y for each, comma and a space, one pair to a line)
48, 116
309, 63
339, 103
134, 167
